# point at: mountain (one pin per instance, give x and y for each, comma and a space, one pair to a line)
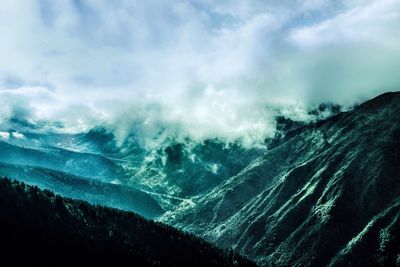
78, 174
324, 194
319, 193
157, 178
77, 163
94, 191
38, 227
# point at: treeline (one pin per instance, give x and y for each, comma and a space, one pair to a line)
39, 227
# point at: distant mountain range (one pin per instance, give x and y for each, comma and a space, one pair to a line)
320, 193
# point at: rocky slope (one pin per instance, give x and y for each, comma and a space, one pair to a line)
327, 193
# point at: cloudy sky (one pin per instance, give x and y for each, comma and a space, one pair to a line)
208, 68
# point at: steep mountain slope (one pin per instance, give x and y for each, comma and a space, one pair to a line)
324, 194
38, 227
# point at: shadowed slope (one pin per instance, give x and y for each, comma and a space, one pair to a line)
43, 228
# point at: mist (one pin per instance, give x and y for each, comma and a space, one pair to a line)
197, 69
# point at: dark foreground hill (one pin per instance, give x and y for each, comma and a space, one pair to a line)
38, 227
326, 193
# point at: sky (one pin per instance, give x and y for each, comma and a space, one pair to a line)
199, 68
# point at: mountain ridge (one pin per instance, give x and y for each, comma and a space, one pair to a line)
278, 209
43, 227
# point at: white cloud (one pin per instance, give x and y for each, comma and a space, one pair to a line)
4, 135
17, 135
207, 68
373, 24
